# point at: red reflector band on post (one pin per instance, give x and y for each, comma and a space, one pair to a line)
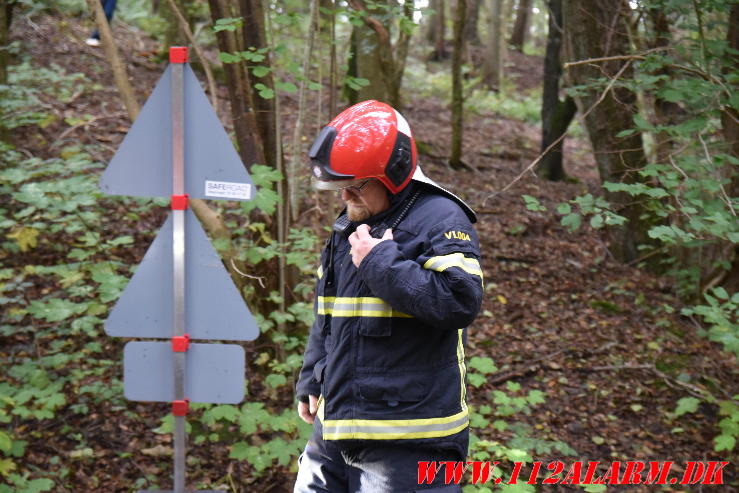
180, 408
178, 54
180, 344
179, 202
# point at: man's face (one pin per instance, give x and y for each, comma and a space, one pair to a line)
365, 203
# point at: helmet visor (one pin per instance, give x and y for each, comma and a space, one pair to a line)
334, 185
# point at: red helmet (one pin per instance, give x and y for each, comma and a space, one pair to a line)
367, 140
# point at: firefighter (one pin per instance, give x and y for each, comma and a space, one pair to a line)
383, 377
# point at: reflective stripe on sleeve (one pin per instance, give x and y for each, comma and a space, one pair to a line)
319, 272
393, 429
356, 307
444, 262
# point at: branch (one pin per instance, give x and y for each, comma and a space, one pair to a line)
195, 46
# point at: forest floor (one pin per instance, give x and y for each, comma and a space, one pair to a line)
560, 315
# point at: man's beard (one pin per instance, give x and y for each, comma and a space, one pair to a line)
357, 213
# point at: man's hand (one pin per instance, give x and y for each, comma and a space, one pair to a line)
362, 242
307, 410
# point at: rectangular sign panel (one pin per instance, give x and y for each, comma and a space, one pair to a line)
214, 372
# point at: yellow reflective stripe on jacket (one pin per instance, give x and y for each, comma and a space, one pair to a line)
319, 272
443, 262
356, 307
393, 429
462, 370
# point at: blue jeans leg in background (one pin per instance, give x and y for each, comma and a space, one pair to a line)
108, 8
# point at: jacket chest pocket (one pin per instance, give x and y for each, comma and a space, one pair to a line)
375, 327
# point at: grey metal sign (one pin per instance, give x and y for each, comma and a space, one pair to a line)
214, 309
142, 166
214, 372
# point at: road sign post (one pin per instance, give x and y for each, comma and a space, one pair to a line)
181, 279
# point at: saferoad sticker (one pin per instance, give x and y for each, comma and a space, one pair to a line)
227, 190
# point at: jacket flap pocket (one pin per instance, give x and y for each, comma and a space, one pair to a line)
399, 388
375, 326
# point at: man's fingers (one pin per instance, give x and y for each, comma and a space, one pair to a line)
388, 234
304, 413
362, 231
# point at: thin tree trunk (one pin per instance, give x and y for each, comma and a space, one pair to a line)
556, 114
265, 113
250, 144
470, 24
333, 66
492, 68
594, 28
455, 158
6, 14
111, 53
521, 27
295, 154
730, 129
437, 32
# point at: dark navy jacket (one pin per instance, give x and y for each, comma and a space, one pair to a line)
386, 351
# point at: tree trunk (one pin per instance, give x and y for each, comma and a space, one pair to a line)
470, 23
595, 28
492, 67
521, 27
665, 112
556, 114
730, 129
455, 158
248, 140
376, 58
437, 31
6, 12
110, 48
367, 58
254, 36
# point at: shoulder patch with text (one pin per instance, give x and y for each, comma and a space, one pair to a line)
457, 235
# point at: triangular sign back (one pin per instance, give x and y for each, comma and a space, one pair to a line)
214, 309
142, 166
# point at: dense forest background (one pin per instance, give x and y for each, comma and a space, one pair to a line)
598, 141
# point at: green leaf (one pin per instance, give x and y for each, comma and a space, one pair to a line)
275, 380
536, 397
571, 221
724, 442
533, 204
228, 57
286, 86
686, 405
6, 443
38, 485
260, 71
564, 208
483, 365
56, 310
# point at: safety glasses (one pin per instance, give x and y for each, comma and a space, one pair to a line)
357, 190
